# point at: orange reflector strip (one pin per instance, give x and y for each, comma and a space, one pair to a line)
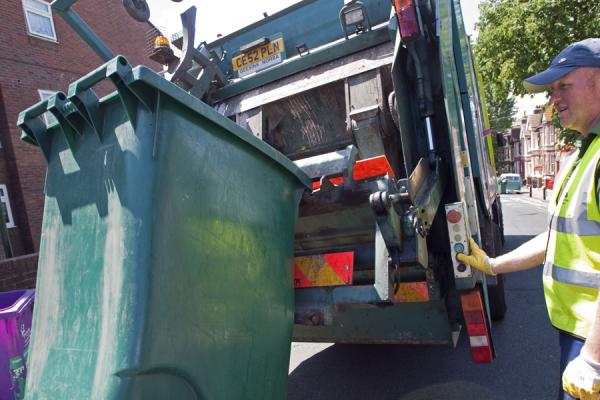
372, 167
474, 315
336, 181
332, 269
364, 169
412, 292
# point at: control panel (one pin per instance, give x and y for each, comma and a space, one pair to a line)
459, 235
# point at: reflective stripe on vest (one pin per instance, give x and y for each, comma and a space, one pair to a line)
572, 276
580, 225
559, 181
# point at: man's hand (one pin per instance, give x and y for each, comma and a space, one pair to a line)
581, 378
478, 259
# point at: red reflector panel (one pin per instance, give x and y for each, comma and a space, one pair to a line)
364, 169
481, 355
479, 338
407, 19
372, 167
333, 269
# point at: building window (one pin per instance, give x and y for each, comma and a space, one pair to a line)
8, 218
48, 117
39, 19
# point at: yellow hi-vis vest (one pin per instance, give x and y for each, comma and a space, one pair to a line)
572, 264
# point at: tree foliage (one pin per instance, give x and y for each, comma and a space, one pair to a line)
500, 113
519, 38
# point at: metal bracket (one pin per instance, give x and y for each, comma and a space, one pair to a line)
63, 8
384, 280
197, 71
366, 128
388, 222
388, 242
330, 165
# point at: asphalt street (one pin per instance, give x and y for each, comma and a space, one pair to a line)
526, 367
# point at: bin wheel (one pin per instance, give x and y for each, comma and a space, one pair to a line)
137, 9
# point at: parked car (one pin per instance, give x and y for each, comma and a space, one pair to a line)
512, 182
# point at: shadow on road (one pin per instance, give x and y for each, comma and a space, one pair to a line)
390, 372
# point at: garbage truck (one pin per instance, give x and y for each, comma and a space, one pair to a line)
311, 176
379, 103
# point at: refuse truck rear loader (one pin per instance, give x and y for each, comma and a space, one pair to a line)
380, 105
169, 237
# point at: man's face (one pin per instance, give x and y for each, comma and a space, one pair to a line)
576, 97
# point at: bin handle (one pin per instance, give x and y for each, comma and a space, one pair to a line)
119, 71
81, 106
35, 130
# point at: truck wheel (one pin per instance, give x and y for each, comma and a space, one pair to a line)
497, 299
496, 292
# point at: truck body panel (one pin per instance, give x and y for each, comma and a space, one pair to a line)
361, 92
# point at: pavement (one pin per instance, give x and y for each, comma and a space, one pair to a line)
535, 193
538, 193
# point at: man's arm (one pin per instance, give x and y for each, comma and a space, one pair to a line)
530, 254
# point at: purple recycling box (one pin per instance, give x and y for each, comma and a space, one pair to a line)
15, 330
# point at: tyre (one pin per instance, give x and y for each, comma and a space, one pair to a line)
497, 299
496, 292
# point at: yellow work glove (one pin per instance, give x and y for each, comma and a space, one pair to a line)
478, 259
581, 378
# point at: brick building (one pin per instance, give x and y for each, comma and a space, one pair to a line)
533, 149
41, 54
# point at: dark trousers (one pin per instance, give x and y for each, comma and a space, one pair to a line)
570, 347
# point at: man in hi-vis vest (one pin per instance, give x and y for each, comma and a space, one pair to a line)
570, 248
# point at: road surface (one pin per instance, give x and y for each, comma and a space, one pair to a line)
527, 347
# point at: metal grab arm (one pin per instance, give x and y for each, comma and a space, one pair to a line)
63, 8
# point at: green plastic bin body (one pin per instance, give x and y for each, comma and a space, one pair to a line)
166, 258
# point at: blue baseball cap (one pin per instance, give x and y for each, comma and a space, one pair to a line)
585, 53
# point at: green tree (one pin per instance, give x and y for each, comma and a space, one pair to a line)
519, 38
500, 113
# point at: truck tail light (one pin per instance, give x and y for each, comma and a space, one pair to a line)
477, 329
406, 13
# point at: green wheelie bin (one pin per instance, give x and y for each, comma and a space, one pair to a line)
166, 256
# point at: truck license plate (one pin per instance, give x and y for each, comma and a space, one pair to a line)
259, 58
